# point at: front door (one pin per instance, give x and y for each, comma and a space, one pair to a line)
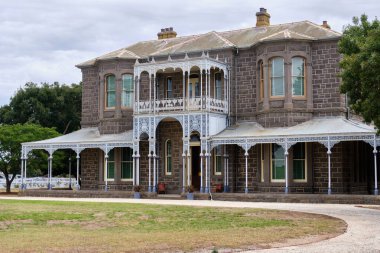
196, 167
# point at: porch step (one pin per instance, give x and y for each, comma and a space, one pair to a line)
170, 196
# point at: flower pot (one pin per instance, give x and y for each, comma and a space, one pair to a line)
190, 196
137, 195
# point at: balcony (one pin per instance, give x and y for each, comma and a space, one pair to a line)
181, 105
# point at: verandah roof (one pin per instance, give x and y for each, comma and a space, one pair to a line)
327, 131
82, 139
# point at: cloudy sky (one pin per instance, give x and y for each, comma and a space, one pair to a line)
41, 41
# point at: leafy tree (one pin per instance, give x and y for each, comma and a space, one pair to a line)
49, 105
11, 137
360, 46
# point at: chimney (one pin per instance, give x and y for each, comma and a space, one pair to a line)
262, 18
325, 25
166, 33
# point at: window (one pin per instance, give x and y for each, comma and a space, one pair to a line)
111, 165
168, 157
277, 77
127, 91
218, 86
298, 76
126, 163
110, 91
261, 80
299, 161
278, 163
262, 162
169, 87
218, 160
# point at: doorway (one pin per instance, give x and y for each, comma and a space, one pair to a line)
194, 91
196, 167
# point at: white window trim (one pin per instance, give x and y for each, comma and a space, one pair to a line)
121, 168
262, 157
132, 91
271, 77
271, 168
167, 173
304, 78
216, 173
215, 88
105, 171
166, 88
106, 93
301, 180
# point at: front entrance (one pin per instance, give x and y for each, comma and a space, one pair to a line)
196, 167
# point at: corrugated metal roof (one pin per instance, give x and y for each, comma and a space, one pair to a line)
242, 38
314, 127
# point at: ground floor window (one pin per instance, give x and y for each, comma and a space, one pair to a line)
277, 163
299, 161
218, 160
168, 157
126, 163
111, 165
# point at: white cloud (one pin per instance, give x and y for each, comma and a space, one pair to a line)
41, 41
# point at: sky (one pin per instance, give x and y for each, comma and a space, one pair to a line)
42, 41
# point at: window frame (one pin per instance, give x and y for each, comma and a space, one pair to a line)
305, 164
303, 76
122, 161
130, 92
167, 156
218, 154
167, 88
262, 157
271, 165
106, 178
106, 91
216, 87
271, 77
261, 80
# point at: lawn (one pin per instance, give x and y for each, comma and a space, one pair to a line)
46, 226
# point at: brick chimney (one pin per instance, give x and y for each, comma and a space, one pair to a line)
166, 33
262, 18
325, 25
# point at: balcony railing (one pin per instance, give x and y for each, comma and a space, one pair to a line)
180, 104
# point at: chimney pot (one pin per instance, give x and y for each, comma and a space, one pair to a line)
326, 25
162, 30
166, 33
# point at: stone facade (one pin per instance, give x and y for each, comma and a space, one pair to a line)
322, 98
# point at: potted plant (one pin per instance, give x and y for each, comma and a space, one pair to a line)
190, 192
136, 193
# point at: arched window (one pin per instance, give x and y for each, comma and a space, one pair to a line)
261, 80
126, 163
218, 86
168, 157
298, 76
277, 77
127, 91
110, 91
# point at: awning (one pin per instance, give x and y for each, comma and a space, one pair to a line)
327, 131
82, 139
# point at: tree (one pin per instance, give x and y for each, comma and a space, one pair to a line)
11, 137
360, 46
49, 105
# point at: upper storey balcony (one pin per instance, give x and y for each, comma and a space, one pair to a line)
181, 86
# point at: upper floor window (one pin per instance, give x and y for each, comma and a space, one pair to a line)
261, 79
194, 90
169, 87
298, 76
168, 157
218, 86
127, 91
110, 91
299, 161
126, 163
218, 160
277, 77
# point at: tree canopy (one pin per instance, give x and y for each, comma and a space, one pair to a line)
11, 137
49, 105
360, 46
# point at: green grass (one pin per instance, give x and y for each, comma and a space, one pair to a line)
43, 226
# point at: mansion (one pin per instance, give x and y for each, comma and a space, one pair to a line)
250, 110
